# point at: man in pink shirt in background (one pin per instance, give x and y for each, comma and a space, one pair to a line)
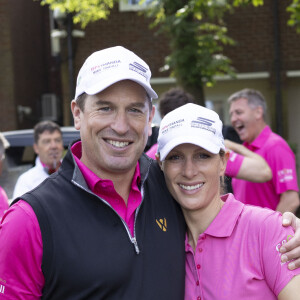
248, 114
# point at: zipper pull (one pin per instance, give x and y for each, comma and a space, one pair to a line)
137, 250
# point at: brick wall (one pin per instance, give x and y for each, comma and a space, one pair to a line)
28, 71
127, 29
27, 68
7, 108
253, 29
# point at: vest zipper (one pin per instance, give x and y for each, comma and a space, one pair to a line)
137, 250
132, 239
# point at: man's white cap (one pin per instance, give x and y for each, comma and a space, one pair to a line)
192, 124
106, 67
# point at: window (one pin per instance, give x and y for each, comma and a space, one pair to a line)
133, 5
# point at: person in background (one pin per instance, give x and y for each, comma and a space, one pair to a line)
3, 197
247, 165
48, 145
232, 249
171, 99
248, 114
104, 226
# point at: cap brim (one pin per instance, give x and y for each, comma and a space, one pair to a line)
105, 84
203, 143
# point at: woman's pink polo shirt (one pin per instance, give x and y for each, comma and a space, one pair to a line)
238, 256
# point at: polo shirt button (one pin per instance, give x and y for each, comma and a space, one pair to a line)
198, 298
198, 267
200, 249
197, 282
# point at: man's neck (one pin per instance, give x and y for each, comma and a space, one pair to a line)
260, 126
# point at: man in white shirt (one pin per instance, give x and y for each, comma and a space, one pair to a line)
48, 145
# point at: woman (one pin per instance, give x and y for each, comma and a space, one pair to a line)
237, 246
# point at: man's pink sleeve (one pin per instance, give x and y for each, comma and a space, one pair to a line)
21, 253
272, 236
3, 202
234, 164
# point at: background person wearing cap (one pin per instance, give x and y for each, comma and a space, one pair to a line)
94, 230
247, 114
104, 226
242, 163
232, 250
4, 144
48, 145
168, 101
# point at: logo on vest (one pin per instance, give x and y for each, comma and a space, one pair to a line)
162, 223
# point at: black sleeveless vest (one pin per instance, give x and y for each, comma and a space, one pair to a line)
87, 251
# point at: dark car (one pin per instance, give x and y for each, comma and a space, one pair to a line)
20, 156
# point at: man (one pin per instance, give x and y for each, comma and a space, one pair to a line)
48, 145
3, 196
104, 226
247, 113
96, 231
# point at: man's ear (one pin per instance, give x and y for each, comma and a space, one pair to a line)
76, 111
36, 148
259, 112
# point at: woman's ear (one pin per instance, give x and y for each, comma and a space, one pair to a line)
224, 159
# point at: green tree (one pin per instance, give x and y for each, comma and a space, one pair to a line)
294, 9
83, 11
195, 28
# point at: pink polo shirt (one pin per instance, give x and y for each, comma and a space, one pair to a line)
281, 160
21, 275
233, 164
237, 257
3, 202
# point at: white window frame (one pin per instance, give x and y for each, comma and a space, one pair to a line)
125, 5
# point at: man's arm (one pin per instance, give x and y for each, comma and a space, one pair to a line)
21, 254
289, 201
254, 167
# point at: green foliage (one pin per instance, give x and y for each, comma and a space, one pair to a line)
195, 28
84, 11
197, 35
294, 9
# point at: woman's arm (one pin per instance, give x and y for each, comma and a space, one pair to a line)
292, 290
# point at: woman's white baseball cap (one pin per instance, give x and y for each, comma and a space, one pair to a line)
192, 124
106, 67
